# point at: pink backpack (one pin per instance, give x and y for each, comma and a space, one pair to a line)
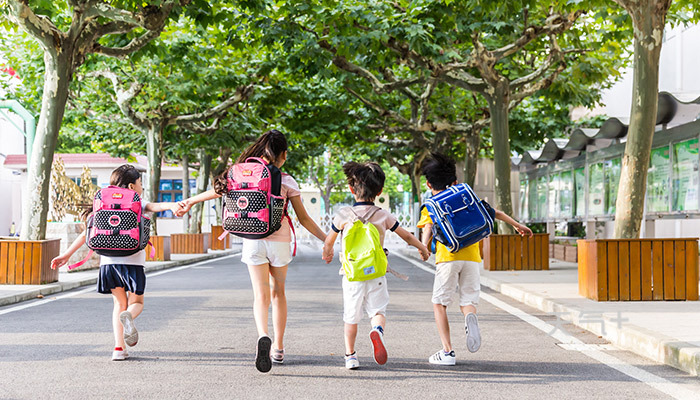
253, 207
116, 226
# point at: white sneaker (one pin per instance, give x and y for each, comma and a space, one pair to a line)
442, 358
119, 355
131, 335
471, 327
376, 336
351, 361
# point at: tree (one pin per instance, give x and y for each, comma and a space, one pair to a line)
67, 38
649, 22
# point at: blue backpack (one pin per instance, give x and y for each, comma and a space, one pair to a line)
460, 218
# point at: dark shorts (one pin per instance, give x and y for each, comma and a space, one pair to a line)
130, 277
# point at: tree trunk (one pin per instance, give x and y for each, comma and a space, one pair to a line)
498, 108
202, 183
185, 190
155, 159
57, 78
471, 156
649, 20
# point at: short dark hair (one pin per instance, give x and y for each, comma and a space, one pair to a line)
124, 175
366, 179
440, 171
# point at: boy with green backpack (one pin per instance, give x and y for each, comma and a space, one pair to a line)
363, 258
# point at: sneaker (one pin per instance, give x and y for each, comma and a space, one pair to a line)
442, 358
131, 335
471, 327
119, 354
262, 357
277, 356
376, 335
351, 361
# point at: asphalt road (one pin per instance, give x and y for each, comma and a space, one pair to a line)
197, 339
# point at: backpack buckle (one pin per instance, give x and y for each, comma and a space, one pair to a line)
449, 210
115, 232
116, 206
244, 185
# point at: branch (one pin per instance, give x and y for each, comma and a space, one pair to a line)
424, 98
379, 109
133, 46
241, 94
38, 26
124, 98
532, 88
379, 87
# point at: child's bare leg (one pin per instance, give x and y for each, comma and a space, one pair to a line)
120, 304
468, 309
135, 304
259, 278
350, 336
443, 326
278, 275
379, 320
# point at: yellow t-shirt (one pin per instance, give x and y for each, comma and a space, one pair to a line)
442, 254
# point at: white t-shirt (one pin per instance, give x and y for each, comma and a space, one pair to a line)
138, 258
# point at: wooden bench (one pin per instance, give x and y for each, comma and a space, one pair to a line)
216, 244
638, 269
514, 252
189, 243
162, 245
28, 262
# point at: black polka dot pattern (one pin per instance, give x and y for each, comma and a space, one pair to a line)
115, 221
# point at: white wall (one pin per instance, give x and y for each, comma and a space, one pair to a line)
11, 142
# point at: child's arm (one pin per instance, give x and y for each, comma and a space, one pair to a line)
522, 229
328, 246
413, 241
305, 220
62, 259
186, 204
427, 235
158, 207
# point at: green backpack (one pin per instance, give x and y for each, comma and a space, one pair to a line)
363, 255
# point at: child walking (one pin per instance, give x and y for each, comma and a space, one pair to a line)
268, 258
459, 269
122, 276
366, 181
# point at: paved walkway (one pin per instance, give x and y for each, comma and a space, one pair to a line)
10, 294
664, 331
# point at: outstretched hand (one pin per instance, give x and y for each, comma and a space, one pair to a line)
59, 261
524, 230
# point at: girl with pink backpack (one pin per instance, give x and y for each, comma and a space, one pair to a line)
256, 196
117, 230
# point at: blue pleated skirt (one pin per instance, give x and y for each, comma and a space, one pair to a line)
130, 277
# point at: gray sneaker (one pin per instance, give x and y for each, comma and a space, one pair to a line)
471, 327
131, 335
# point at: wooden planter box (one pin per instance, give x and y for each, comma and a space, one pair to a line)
189, 243
216, 244
162, 245
638, 269
28, 262
513, 252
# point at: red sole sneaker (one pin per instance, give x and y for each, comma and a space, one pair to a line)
380, 355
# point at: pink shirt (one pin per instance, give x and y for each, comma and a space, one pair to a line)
383, 220
290, 188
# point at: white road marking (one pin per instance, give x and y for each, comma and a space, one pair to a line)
92, 289
571, 343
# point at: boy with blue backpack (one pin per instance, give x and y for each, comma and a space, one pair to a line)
363, 257
462, 221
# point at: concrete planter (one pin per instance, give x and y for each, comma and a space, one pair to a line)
638, 269
28, 262
570, 253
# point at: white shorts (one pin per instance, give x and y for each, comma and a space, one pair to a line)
449, 275
371, 295
260, 251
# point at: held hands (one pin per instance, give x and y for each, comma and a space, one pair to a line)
59, 261
424, 252
183, 207
523, 230
327, 254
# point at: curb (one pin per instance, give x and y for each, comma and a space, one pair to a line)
655, 346
58, 287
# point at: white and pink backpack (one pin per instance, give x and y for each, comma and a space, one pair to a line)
253, 207
116, 226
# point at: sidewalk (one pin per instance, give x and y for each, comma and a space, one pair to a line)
665, 331
10, 294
